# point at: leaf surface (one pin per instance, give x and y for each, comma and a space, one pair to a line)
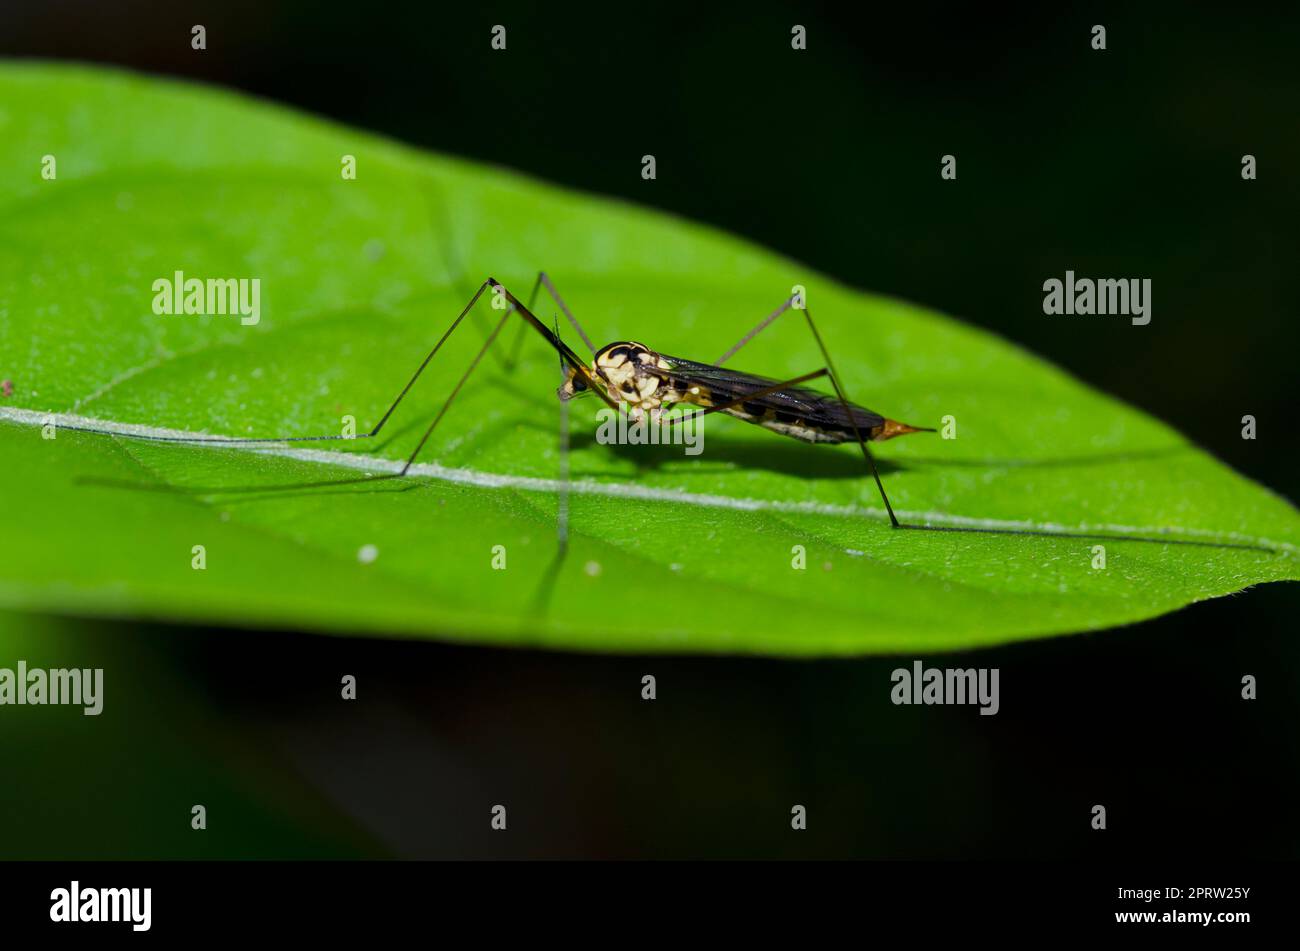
667, 551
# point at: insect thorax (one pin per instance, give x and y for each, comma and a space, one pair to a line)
621, 366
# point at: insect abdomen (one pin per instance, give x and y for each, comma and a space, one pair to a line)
801, 414
794, 425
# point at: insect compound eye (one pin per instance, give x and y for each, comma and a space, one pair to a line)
571, 387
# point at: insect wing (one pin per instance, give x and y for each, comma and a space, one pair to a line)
725, 386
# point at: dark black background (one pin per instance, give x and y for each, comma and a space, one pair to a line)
1124, 162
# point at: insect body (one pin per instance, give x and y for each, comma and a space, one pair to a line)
647, 381
631, 374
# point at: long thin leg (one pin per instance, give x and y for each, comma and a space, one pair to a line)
762, 325
514, 307
456, 390
835, 382
571, 359
562, 504
562, 517
567, 358
844, 402
511, 359
543, 280
240, 440
440, 224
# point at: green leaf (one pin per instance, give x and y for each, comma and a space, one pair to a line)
667, 552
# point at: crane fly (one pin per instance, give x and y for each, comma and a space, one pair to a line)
648, 381
630, 377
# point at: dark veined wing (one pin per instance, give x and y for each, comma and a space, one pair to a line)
820, 410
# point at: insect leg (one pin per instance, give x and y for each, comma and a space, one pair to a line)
844, 402
512, 357
562, 506
543, 279
567, 357
759, 328
239, 440
456, 389
835, 382
570, 358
